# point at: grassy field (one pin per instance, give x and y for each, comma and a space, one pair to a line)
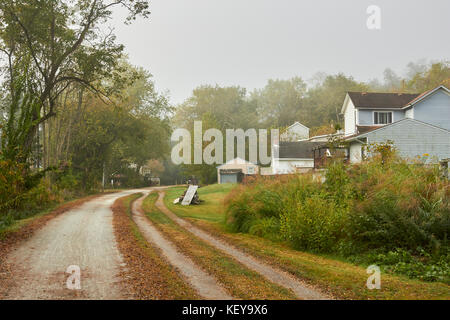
339, 278
211, 209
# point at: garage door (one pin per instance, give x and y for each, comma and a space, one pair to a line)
228, 178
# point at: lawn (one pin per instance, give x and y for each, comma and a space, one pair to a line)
339, 278
210, 210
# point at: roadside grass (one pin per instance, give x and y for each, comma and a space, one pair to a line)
238, 280
211, 209
18, 224
147, 275
339, 278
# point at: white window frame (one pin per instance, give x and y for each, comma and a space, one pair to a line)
381, 111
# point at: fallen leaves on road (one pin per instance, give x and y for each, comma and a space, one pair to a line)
145, 274
10, 240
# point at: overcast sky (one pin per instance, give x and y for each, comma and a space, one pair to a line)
187, 43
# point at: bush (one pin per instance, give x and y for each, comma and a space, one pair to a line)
12, 184
397, 209
22, 194
315, 224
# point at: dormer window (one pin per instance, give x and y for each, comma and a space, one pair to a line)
382, 117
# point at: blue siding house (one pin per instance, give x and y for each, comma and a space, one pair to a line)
417, 124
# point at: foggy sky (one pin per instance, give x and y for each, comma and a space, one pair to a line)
186, 43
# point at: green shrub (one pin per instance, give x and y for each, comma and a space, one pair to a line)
22, 193
398, 210
314, 224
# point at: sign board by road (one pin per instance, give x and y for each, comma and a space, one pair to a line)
189, 195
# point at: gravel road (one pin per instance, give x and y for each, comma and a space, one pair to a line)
206, 285
82, 237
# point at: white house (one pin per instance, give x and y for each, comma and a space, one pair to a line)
293, 157
295, 132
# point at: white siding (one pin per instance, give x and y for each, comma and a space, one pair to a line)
355, 152
282, 166
349, 119
409, 113
295, 132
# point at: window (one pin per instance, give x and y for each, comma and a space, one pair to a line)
251, 170
382, 117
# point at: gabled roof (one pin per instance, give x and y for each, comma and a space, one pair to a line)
364, 129
297, 149
365, 134
236, 161
426, 94
378, 100
293, 125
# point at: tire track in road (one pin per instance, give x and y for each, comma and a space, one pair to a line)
205, 284
282, 278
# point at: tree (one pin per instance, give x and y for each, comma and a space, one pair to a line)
281, 102
123, 135
56, 44
392, 82
437, 74
323, 103
220, 108
228, 105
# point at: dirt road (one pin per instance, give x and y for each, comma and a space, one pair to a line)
301, 290
206, 285
82, 237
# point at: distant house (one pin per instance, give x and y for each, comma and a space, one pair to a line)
293, 157
417, 124
327, 137
296, 150
235, 170
295, 132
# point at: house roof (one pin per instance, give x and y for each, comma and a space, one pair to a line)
296, 123
378, 100
236, 161
365, 134
297, 149
422, 96
364, 129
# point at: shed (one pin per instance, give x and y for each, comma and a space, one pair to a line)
235, 170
